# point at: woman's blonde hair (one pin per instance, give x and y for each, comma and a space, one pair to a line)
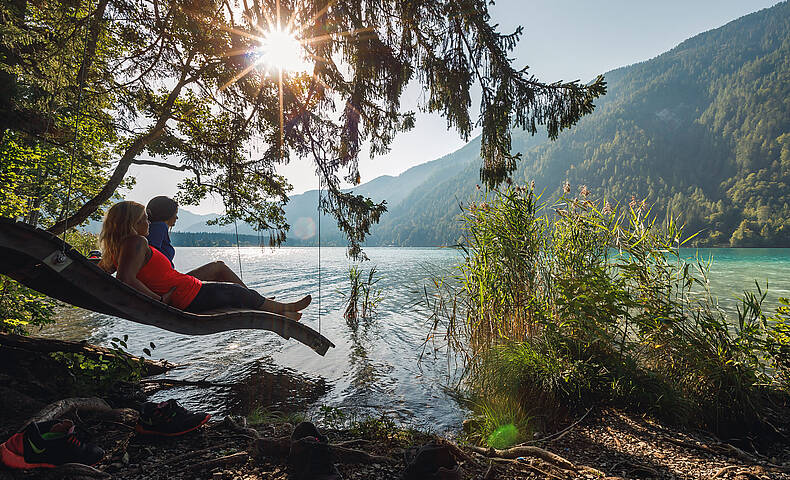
118, 226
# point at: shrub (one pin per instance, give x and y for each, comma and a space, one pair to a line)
575, 303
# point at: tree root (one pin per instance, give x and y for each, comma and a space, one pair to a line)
233, 459
725, 449
724, 470
61, 407
76, 470
528, 451
281, 446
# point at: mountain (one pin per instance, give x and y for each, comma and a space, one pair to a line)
701, 131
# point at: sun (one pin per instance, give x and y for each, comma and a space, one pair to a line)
280, 49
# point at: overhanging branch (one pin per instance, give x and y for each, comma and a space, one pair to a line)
160, 164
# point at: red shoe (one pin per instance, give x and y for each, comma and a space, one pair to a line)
47, 445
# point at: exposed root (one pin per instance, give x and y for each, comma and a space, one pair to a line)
62, 407
233, 459
528, 451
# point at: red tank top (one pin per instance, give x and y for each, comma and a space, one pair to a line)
158, 275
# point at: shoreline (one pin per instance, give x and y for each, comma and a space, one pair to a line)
604, 443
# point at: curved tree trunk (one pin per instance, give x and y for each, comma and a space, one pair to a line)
126, 160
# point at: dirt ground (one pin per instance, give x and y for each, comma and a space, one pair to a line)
604, 444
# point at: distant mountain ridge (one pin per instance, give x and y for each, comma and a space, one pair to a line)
701, 131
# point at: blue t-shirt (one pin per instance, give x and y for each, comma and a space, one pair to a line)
159, 237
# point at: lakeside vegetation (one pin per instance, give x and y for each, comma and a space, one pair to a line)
557, 307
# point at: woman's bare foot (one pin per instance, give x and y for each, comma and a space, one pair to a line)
295, 316
299, 305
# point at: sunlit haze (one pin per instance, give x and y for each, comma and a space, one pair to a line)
562, 40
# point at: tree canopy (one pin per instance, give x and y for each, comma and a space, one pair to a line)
95, 86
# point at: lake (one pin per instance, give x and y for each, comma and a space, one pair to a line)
380, 367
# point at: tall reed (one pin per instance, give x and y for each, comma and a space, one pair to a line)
577, 302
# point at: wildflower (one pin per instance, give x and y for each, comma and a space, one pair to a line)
632, 203
566, 187
484, 206
583, 191
532, 185
607, 209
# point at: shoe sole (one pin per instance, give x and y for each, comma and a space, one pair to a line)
142, 431
13, 460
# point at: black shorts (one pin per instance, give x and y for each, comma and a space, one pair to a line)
213, 295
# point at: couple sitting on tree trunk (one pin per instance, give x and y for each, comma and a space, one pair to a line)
127, 236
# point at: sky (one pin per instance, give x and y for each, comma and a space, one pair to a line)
562, 40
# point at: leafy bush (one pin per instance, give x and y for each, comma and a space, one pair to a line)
21, 307
567, 305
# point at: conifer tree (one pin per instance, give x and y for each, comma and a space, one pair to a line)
181, 84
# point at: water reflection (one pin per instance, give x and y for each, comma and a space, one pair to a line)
376, 365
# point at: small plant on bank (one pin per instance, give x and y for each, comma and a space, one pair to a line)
100, 374
565, 305
22, 308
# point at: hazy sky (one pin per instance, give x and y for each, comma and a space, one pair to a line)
562, 40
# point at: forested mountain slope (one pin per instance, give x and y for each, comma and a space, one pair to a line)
701, 130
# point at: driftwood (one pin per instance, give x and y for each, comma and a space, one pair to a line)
528, 451
48, 345
172, 382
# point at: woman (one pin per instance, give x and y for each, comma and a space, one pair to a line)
163, 213
126, 250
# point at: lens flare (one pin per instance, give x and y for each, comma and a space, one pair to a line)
280, 49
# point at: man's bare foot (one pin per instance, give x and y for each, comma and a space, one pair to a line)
299, 305
295, 316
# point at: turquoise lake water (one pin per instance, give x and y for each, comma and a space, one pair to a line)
378, 367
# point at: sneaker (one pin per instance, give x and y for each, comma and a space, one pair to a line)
431, 462
47, 445
310, 457
168, 419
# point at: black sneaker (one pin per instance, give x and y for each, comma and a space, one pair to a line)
310, 457
47, 445
431, 462
168, 419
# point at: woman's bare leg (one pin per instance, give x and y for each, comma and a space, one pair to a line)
216, 272
273, 306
